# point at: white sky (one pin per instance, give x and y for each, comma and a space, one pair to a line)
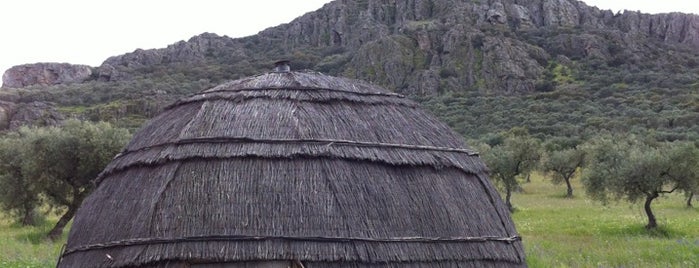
90, 31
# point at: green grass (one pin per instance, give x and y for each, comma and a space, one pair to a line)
557, 232
27, 247
578, 232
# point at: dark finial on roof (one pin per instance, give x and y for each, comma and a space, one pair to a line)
282, 66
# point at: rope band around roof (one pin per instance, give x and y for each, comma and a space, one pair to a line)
385, 94
244, 89
204, 93
233, 238
326, 142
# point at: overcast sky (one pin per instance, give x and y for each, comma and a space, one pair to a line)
89, 31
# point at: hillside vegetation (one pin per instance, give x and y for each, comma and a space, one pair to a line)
559, 68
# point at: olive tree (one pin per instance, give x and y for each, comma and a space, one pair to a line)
19, 192
60, 163
69, 158
561, 166
638, 172
685, 172
516, 156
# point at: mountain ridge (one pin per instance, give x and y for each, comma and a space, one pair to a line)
435, 29
455, 56
350, 24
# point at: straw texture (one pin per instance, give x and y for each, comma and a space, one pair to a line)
294, 166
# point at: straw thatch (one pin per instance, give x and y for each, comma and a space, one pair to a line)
294, 166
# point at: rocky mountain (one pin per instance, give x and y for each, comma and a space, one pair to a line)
568, 66
430, 46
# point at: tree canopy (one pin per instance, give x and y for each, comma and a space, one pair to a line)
19, 193
561, 166
517, 155
61, 162
636, 171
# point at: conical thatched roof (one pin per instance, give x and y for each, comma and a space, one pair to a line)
294, 166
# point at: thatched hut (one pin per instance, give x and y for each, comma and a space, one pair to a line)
294, 169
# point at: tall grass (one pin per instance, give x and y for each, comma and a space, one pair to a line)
578, 232
27, 247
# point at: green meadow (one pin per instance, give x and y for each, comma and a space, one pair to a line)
557, 232
578, 232
27, 247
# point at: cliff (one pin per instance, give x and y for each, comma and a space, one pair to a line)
45, 74
422, 47
15, 115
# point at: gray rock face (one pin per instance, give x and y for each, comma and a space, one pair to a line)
6, 110
520, 16
496, 13
670, 28
560, 13
15, 115
429, 46
44, 74
194, 51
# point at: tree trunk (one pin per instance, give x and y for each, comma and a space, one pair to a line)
78, 198
529, 177
508, 194
652, 224
689, 199
28, 218
569, 193
57, 230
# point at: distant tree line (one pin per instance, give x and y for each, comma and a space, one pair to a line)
612, 167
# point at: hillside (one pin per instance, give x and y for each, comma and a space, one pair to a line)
558, 67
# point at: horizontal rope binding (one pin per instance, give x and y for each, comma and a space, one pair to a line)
385, 94
203, 94
327, 142
416, 239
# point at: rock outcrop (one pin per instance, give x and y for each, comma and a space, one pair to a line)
6, 111
194, 51
36, 113
45, 74
429, 46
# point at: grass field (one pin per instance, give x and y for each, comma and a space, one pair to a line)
27, 247
557, 232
